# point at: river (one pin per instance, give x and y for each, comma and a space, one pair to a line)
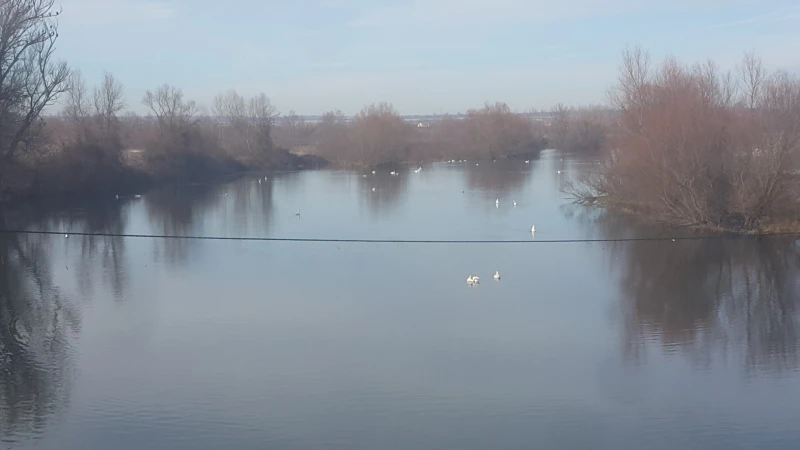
158, 343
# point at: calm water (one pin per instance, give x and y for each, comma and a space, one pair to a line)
133, 343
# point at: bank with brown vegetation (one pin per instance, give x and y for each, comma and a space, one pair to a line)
92, 145
379, 136
702, 148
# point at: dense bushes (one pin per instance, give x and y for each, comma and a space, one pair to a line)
581, 130
699, 148
379, 135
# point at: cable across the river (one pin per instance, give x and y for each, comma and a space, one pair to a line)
394, 241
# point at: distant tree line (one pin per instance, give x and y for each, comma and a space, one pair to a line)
378, 135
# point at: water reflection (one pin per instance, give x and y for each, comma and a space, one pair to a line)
498, 178
37, 327
173, 366
710, 300
389, 194
176, 211
735, 297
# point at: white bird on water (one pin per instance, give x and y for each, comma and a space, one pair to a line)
66, 236
515, 204
373, 189
497, 202
373, 172
259, 181
527, 162
496, 275
477, 164
137, 196
117, 196
559, 172
533, 229
364, 176
418, 170
472, 279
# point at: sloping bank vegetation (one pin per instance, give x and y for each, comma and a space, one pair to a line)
697, 147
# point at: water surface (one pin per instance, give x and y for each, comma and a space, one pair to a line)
130, 343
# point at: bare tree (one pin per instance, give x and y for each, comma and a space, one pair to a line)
171, 110
262, 116
108, 102
230, 106
752, 77
631, 92
250, 122
29, 78
77, 107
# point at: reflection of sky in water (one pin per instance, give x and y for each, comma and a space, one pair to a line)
211, 344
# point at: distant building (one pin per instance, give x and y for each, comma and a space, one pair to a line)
424, 125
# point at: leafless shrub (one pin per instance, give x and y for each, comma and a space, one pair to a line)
493, 131
332, 136
690, 156
244, 127
174, 114
583, 130
294, 132
380, 135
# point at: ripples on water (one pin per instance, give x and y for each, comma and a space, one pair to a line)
181, 344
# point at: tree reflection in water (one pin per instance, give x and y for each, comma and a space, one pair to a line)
501, 177
735, 298
37, 326
390, 191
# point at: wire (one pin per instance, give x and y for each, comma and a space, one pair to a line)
392, 241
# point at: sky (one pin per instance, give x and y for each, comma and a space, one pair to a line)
423, 56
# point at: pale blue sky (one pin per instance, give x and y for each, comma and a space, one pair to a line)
423, 56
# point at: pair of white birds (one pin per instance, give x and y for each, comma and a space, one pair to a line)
497, 202
474, 279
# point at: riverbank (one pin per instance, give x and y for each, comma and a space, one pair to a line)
59, 178
732, 224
